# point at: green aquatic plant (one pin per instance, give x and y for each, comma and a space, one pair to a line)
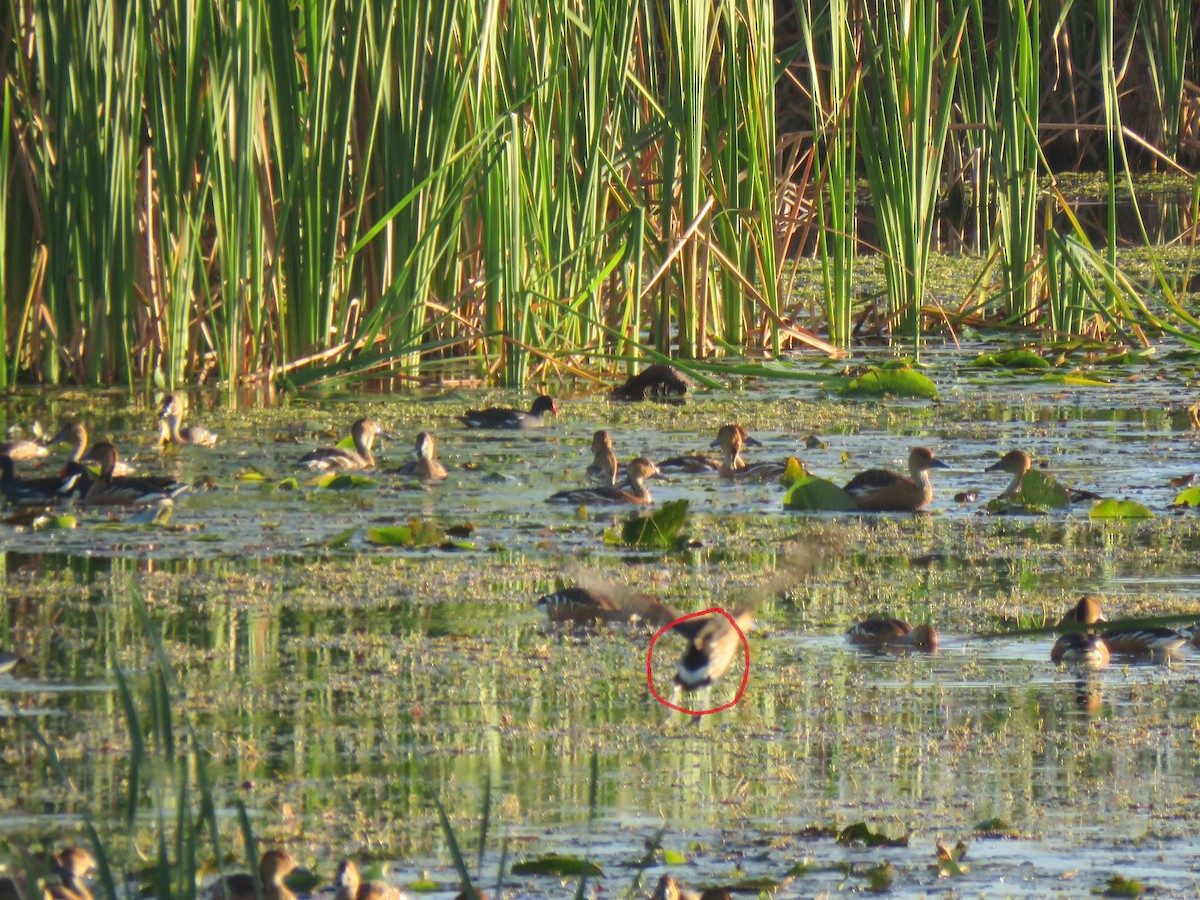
1120, 509
818, 495
662, 529
891, 381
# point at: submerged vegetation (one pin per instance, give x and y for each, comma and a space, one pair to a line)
297, 190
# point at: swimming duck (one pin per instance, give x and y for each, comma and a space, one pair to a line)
108, 489
510, 419
879, 632
1153, 641
71, 864
34, 491
1018, 463
425, 466
668, 889
882, 490
657, 380
171, 414
636, 472
477, 895
1080, 649
700, 464
713, 643
589, 605
692, 464
9, 661
350, 885
338, 458
604, 462
76, 434
23, 450
272, 869
732, 438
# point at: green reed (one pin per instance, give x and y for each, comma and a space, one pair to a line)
1167, 35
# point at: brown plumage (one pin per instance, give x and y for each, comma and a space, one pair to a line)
878, 632
732, 439
363, 432
1151, 640
172, 430
350, 886
72, 865
637, 472
1018, 464
657, 380
425, 466
882, 490
604, 602
109, 489
604, 462
272, 869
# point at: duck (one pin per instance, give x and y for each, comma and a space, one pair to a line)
668, 889
71, 864
172, 431
425, 466
363, 432
1081, 648
657, 380
732, 438
350, 885
591, 605
882, 490
880, 632
1151, 641
698, 464
9, 661
499, 417
636, 472
76, 434
713, 643
692, 464
604, 464
108, 489
44, 491
23, 450
473, 894
272, 869
1018, 463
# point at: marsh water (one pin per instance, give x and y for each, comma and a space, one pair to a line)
333, 685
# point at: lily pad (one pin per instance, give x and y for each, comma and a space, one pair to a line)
859, 833
1010, 359
417, 533
557, 865
342, 481
1120, 886
1038, 493
663, 529
1190, 497
818, 494
51, 522
1075, 380
1120, 509
889, 382
793, 471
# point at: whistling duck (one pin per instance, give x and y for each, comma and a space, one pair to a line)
76, 434
1153, 641
668, 889
272, 869
425, 466
9, 661
604, 464
478, 895
108, 489
1018, 463
511, 419
350, 886
881, 490
713, 644
71, 864
1080, 649
732, 438
339, 458
657, 380
171, 414
587, 605
692, 464
34, 491
879, 633
23, 450
636, 472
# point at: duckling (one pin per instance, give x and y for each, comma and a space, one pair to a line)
71, 864
878, 632
337, 458
657, 380
43, 491
425, 466
350, 886
1151, 641
76, 434
108, 489
713, 643
604, 462
511, 419
881, 490
732, 438
636, 472
171, 414
1018, 463
272, 869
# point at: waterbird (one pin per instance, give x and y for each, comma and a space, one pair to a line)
172, 430
23, 450
880, 632
713, 643
658, 380
595, 600
1080, 648
668, 889
107, 489
732, 439
1153, 641
76, 434
882, 490
604, 464
636, 473
350, 886
1018, 463
508, 419
71, 865
272, 869
43, 491
425, 466
363, 432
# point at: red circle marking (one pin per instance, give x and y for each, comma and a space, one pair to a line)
745, 670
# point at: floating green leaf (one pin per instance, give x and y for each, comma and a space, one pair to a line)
250, 473
1038, 492
288, 484
1119, 886
1075, 380
417, 533
897, 382
881, 877
341, 539
663, 529
1010, 359
342, 481
673, 858
50, 522
859, 833
1120, 509
1189, 497
793, 471
556, 865
817, 494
